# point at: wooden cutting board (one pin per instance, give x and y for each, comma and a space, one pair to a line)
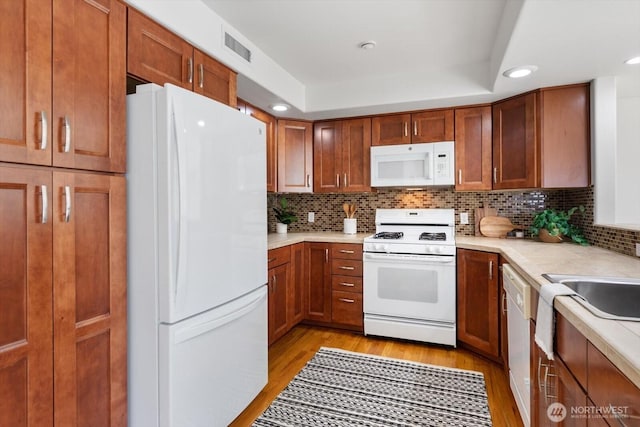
481, 213
496, 226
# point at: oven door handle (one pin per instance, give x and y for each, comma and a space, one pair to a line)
432, 259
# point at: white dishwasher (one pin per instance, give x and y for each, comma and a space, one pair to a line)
518, 314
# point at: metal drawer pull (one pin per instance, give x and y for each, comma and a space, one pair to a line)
345, 251
349, 285
45, 204
490, 270
201, 79
190, 70
67, 203
350, 301
616, 416
67, 134
460, 176
347, 268
44, 131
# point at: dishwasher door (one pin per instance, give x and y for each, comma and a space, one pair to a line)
518, 290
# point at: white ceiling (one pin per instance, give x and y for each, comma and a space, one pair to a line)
431, 53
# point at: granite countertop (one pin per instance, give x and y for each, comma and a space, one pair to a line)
618, 340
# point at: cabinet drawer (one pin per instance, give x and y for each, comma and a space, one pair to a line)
346, 267
346, 308
346, 251
608, 387
346, 284
279, 256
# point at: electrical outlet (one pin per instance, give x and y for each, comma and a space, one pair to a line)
311, 216
637, 249
464, 218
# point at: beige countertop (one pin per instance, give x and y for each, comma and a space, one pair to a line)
618, 340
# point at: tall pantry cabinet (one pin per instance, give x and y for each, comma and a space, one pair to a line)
62, 225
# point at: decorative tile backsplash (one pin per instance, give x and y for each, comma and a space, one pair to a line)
519, 206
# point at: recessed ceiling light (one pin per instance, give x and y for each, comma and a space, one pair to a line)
279, 107
633, 61
522, 71
367, 45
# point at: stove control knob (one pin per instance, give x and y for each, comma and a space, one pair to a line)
381, 247
434, 249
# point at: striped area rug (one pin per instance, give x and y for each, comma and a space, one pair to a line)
342, 388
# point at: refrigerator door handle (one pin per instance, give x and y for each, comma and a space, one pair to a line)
180, 255
203, 328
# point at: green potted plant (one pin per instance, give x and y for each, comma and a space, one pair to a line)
284, 215
553, 225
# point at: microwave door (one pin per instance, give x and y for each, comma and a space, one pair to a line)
408, 165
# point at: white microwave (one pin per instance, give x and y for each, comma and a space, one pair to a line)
413, 165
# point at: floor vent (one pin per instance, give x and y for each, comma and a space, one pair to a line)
237, 47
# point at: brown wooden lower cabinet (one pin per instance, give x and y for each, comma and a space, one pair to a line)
478, 318
63, 300
318, 279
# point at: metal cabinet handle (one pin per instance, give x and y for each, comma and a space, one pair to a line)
44, 130
201, 77
67, 203
326, 255
406, 131
190, 70
504, 302
495, 175
343, 267
338, 180
67, 134
345, 251
345, 180
350, 301
348, 285
460, 176
45, 204
490, 270
415, 128
616, 416
308, 180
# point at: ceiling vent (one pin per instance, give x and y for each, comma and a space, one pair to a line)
237, 47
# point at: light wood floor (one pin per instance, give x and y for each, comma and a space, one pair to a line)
289, 354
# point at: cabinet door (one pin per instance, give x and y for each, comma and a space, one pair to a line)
570, 394
295, 156
318, 278
473, 148
514, 143
90, 305
327, 157
270, 124
432, 126
214, 80
26, 375
89, 84
390, 130
478, 324
295, 297
356, 155
25, 82
157, 55
278, 283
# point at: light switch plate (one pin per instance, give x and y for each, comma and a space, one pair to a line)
637, 249
464, 218
311, 216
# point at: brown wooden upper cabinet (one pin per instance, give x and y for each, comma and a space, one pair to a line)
426, 126
541, 139
62, 77
272, 152
295, 156
341, 156
473, 148
157, 55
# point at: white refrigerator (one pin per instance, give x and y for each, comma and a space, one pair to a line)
197, 259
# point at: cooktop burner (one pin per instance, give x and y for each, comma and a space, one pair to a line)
433, 236
391, 235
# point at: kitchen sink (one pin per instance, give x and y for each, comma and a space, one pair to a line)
615, 298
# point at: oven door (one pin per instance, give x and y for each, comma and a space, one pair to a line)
410, 286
